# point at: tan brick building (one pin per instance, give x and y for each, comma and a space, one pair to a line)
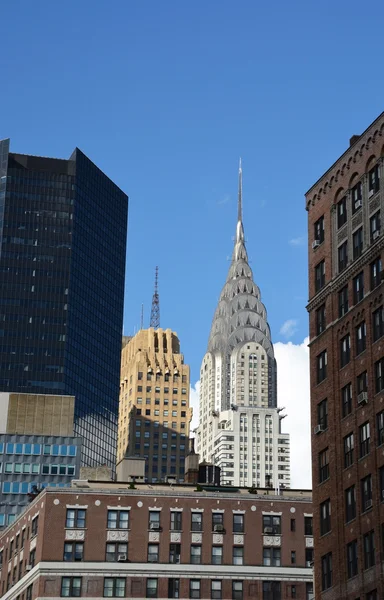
345, 208
156, 541
154, 413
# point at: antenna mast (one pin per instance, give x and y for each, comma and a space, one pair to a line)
155, 310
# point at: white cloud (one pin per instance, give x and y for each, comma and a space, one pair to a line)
289, 328
294, 394
299, 241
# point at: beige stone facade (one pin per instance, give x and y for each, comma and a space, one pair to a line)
37, 414
154, 412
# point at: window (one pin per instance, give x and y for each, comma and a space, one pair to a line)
194, 588
380, 428
32, 558
350, 504
343, 301
369, 550
238, 555
118, 519
176, 520
75, 518
320, 319
238, 523
342, 254
362, 382
153, 553
173, 588
357, 243
352, 568
366, 493
379, 375
217, 521
217, 555
293, 591
373, 181
216, 589
151, 588
237, 590
174, 553
271, 557
73, 551
364, 438
293, 524
361, 338
154, 519
371, 595
381, 484
358, 287
345, 350
375, 273
196, 521
308, 557
357, 197
321, 366
116, 551
195, 555
323, 466
308, 526
272, 524
326, 571
309, 591
271, 590
374, 226
293, 557
34, 526
346, 399
114, 587
322, 413
71, 586
319, 230
349, 445
342, 212
319, 276
378, 324
325, 517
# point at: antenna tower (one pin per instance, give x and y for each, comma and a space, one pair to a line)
155, 310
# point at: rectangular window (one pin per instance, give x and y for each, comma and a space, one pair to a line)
174, 554
352, 567
349, 446
217, 555
272, 524
319, 276
321, 366
75, 518
237, 590
358, 287
153, 553
73, 551
357, 197
293, 524
343, 301
173, 588
271, 590
325, 517
364, 439
320, 319
196, 555
70, 587
361, 338
293, 557
357, 243
34, 526
271, 557
362, 383
238, 555
217, 521
369, 550
380, 428
366, 493
381, 484
238, 523
378, 324
196, 521
319, 230
151, 588
373, 181
346, 399
194, 588
322, 413
342, 212
323, 466
154, 519
176, 520
326, 571
308, 525
118, 519
342, 254
345, 350
350, 504
379, 375
375, 226
375, 270
114, 587
216, 589
116, 551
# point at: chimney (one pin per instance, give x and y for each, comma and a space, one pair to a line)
191, 464
353, 140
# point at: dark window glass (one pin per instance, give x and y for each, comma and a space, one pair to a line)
75, 518
217, 555
271, 590
238, 555
319, 276
378, 324
196, 521
352, 567
173, 588
237, 590
217, 521
325, 517
366, 493
216, 586
320, 319
350, 503
151, 588
342, 212
379, 375
319, 230
321, 366
375, 270
380, 427
116, 551
322, 413
326, 571
238, 523
174, 553
369, 550
345, 350
271, 557
346, 399
73, 551
343, 256
272, 524
194, 588
293, 524
364, 439
154, 519
153, 553
114, 587
118, 519
381, 484
357, 197
361, 338
323, 466
375, 226
358, 287
357, 240
176, 520
362, 383
195, 555
343, 301
308, 525
71, 586
349, 446
373, 181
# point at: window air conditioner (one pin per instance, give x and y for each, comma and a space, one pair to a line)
218, 528
122, 558
315, 244
155, 526
268, 529
370, 193
318, 429
362, 398
358, 203
375, 234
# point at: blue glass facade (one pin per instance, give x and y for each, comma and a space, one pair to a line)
63, 227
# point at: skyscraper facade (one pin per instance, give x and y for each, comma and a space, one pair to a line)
346, 317
239, 422
154, 413
63, 228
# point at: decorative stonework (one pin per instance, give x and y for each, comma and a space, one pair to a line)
342, 234
56, 501
217, 538
175, 537
375, 204
33, 543
238, 539
272, 540
292, 509
117, 536
357, 219
97, 502
154, 536
309, 542
75, 534
196, 538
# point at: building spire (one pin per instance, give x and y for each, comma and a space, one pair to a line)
240, 195
155, 310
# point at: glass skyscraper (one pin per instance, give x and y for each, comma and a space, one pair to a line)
63, 227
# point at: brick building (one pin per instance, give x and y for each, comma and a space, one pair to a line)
347, 370
103, 539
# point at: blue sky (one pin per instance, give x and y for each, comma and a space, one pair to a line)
165, 97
